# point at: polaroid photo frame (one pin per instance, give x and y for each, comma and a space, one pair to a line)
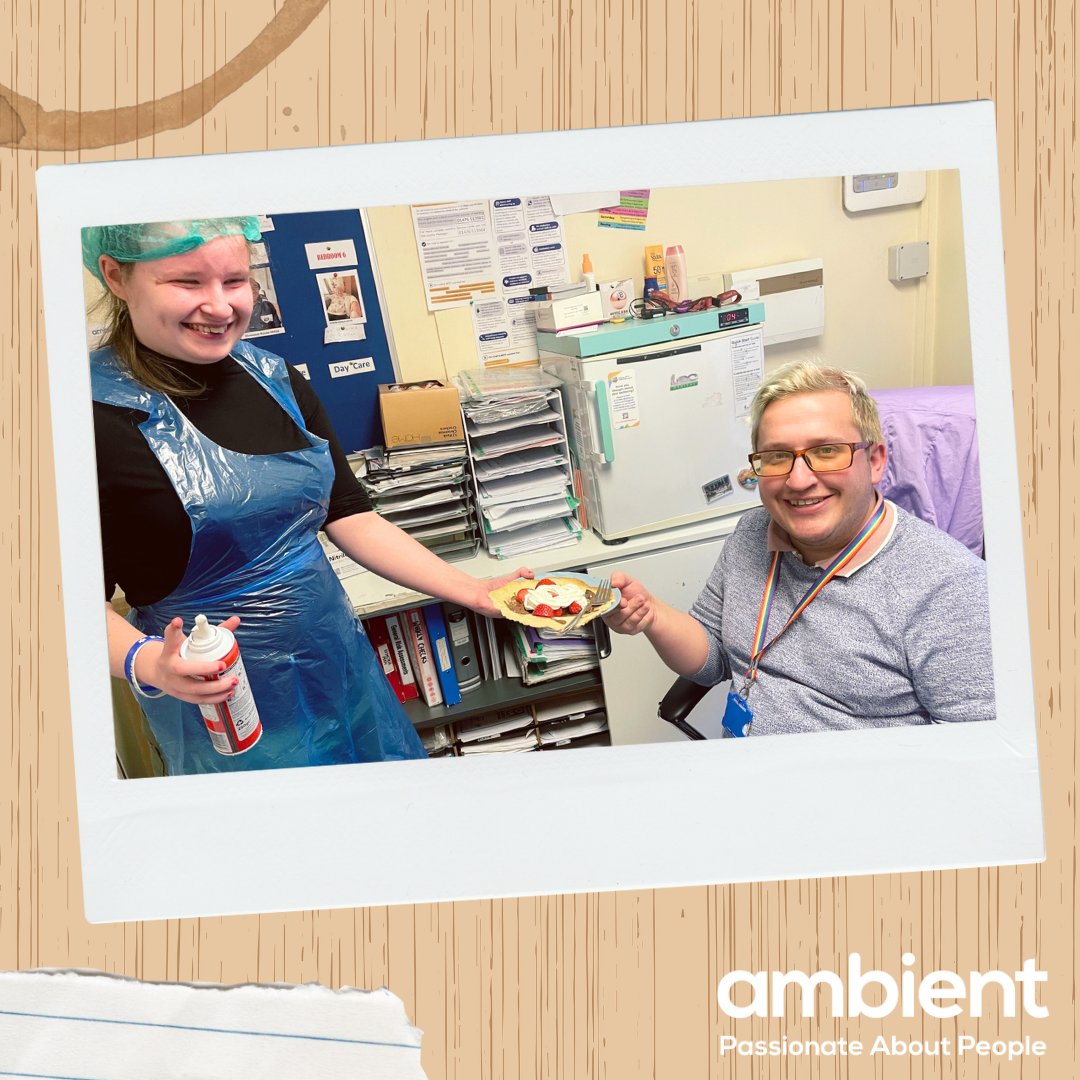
868, 801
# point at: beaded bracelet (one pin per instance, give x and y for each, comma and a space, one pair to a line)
129, 669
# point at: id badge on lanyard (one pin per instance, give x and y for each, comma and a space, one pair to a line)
737, 715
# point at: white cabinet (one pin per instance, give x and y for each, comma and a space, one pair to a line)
634, 677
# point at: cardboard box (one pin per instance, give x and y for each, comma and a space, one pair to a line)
414, 414
571, 313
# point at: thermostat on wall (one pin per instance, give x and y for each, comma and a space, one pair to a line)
869, 191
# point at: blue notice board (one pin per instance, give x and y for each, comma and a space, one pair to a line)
351, 400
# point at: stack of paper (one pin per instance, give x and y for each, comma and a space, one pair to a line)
425, 491
533, 660
578, 720
586, 731
524, 491
509, 744
518, 464
503, 384
561, 532
504, 727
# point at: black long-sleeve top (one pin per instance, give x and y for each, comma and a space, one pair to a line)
145, 530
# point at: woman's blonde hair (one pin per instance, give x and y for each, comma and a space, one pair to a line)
806, 377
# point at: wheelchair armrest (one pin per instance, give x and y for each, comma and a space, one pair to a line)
678, 703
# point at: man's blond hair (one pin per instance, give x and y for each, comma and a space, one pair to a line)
805, 377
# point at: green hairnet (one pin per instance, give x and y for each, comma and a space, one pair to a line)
158, 239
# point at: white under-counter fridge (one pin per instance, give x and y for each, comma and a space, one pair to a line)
659, 417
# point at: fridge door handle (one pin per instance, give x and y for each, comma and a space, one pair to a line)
603, 418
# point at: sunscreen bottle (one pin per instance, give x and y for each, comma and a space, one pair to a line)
654, 264
675, 265
587, 274
234, 725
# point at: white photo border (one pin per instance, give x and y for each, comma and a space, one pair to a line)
868, 801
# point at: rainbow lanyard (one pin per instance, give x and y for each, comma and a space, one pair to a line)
812, 593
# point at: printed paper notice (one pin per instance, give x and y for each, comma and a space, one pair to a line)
747, 370
344, 331
98, 1027
622, 389
547, 251
631, 213
330, 253
491, 254
457, 258
341, 368
505, 330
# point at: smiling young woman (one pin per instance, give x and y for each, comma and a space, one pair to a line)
217, 467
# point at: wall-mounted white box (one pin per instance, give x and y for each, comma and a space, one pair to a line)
793, 294
908, 261
873, 190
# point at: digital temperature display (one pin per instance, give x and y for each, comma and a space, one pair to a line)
736, 317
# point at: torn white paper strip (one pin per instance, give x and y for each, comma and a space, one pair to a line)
579, 204
89, 1026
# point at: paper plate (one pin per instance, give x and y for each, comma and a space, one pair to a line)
506, 592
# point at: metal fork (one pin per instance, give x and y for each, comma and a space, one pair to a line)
601, 597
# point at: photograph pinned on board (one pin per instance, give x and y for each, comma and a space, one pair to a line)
810, 779
265, 310
341, 297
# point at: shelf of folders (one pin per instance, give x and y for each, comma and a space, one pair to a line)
515, 431
425, 490
464, 679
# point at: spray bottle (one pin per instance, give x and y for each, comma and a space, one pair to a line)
675, 266
234, 725
587, 274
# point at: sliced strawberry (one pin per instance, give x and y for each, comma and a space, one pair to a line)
545, 581
574, 608
544, 611
521, 594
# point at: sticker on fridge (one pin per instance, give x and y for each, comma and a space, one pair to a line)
622, 392
717, 489
747, 369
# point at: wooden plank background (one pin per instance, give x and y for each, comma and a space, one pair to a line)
618, 985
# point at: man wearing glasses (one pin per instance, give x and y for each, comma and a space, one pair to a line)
831, 608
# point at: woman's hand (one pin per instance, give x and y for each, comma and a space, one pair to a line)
160, 664
636, 609
483, 604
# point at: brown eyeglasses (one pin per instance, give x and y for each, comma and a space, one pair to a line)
828, 457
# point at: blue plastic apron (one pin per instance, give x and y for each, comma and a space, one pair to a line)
321, 693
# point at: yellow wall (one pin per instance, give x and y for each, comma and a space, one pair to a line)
949, 348
894, 334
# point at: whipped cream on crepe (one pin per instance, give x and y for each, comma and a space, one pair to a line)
556, 596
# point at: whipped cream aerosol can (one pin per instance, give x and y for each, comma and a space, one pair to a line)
234, 725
